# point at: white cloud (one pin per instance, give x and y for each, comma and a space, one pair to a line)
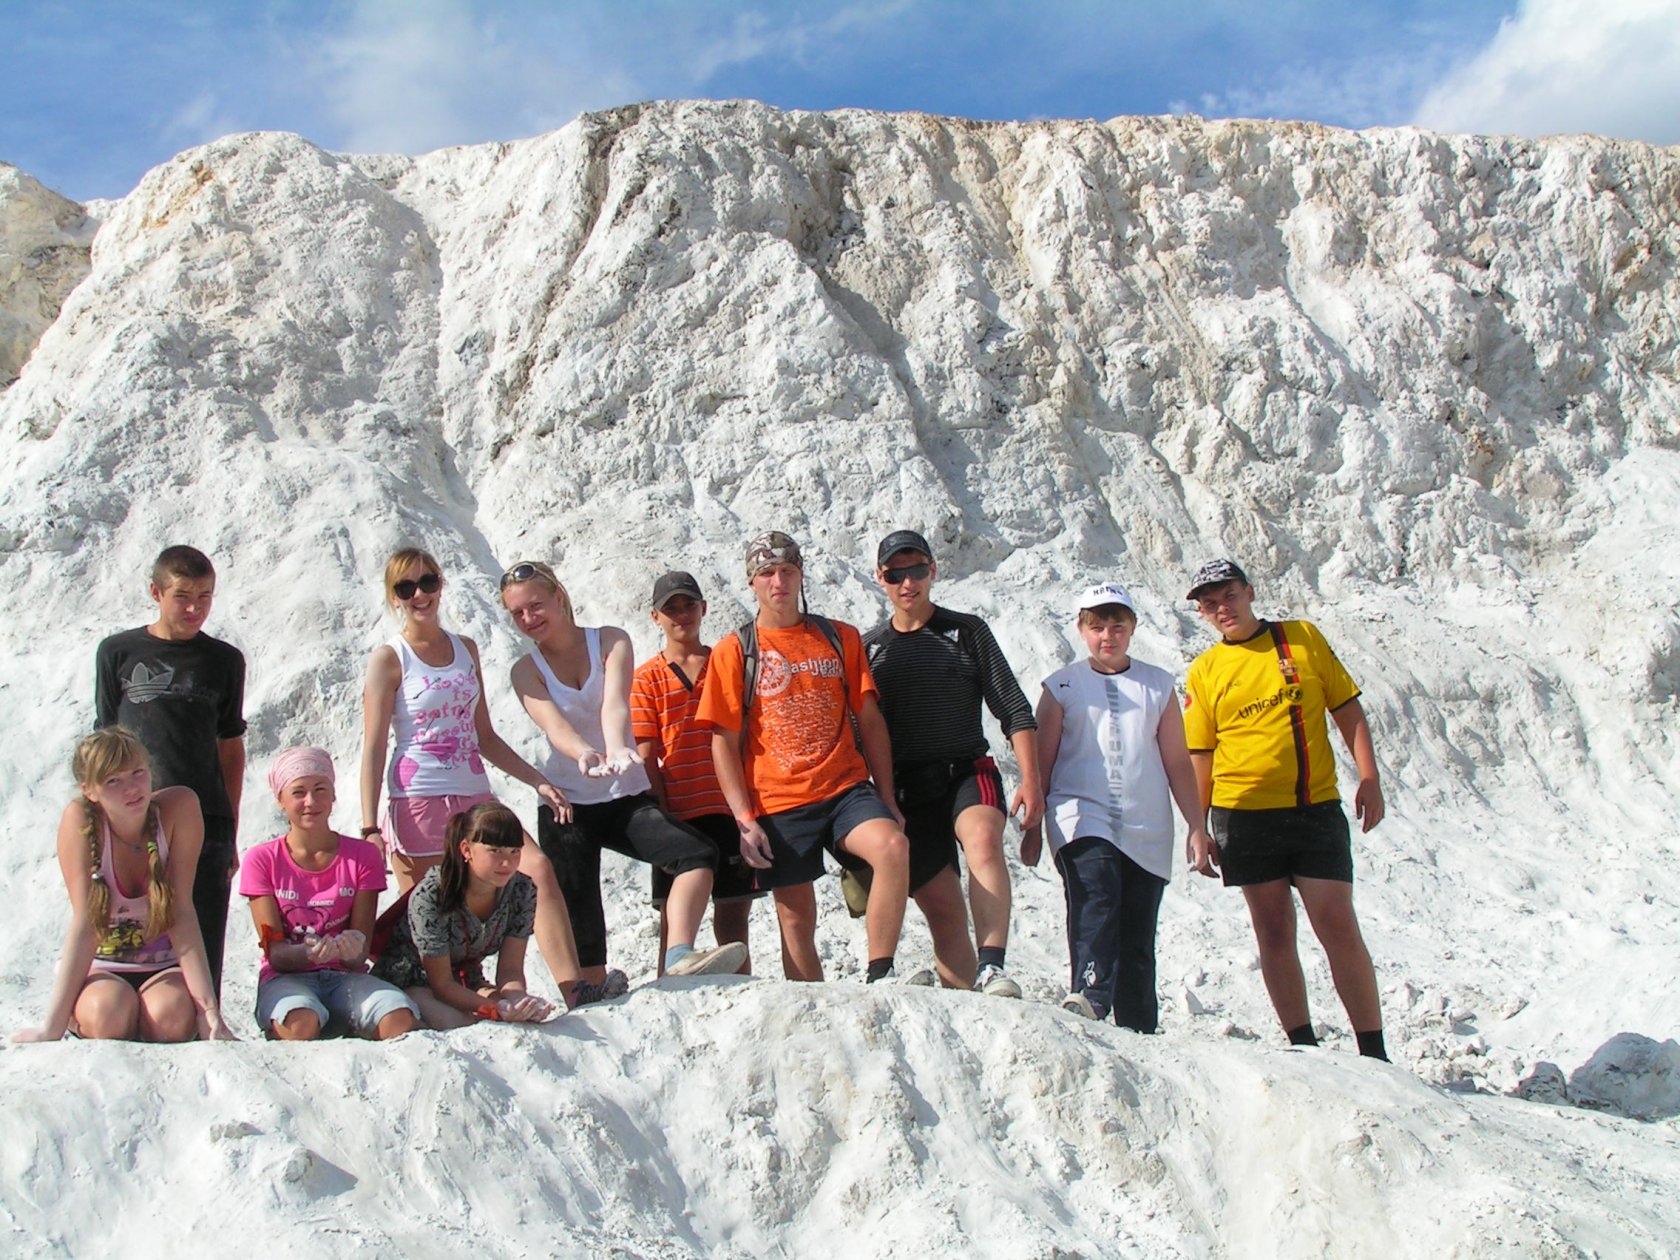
1376, 90
200, 120
409, 77
1607, 67
406, 76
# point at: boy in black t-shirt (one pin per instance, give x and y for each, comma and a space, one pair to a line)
183, 693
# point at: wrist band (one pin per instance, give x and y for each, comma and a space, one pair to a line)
489, 1011
370, 831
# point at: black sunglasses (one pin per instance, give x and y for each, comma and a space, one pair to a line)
915, 572
428, 582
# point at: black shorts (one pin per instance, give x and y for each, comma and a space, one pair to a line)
137, 980
931, 796
799, 836
1258, 846
634, 826
734, 880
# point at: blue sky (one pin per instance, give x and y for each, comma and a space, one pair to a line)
92, 94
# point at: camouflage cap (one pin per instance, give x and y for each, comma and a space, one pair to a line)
1215, 573
769, 548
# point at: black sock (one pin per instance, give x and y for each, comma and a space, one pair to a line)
991, 955
879, 967
1304, 1036
1371, 1044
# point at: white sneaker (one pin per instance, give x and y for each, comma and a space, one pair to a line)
993, 981
723, 961
1079, 1004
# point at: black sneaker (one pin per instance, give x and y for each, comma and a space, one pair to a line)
617, 984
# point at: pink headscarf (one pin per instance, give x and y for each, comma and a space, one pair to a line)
294, 763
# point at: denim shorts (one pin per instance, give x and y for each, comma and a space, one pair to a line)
342, 1000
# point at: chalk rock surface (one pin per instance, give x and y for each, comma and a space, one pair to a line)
1424, 388
44, 242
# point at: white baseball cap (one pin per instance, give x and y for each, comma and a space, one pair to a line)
1104, 593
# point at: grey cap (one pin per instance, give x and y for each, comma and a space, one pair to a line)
676, 582
1216, 573
901, 540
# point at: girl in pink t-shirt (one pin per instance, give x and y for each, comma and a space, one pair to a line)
313, 896
133, 965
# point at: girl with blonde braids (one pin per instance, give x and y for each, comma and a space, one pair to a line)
133, 965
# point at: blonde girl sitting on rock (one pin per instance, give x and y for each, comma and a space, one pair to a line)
133, 966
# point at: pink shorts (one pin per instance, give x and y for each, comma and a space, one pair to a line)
414, 825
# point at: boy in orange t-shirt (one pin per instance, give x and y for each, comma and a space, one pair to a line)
797, 780
676, 752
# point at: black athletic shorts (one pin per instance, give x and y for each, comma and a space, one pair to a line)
1257, 846
799, 836
634, 826
930, 811
734, 879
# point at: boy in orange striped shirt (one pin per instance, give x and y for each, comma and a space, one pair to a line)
677, 754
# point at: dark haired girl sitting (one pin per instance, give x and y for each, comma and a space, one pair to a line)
473, 905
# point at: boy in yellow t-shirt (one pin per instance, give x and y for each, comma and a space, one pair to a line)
1254, 719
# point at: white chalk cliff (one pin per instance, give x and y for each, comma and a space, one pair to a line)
1427, 389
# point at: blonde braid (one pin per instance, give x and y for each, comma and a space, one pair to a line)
99, 892
160, 898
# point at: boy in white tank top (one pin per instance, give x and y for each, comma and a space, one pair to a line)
1111, 745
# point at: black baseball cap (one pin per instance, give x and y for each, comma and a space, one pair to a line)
1216, 573
676, 582
901, 540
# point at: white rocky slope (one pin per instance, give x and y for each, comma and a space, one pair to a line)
1425, 388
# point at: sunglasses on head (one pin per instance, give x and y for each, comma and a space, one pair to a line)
915, 572
524, 571
428, 582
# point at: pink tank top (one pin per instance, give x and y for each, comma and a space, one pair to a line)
124, 947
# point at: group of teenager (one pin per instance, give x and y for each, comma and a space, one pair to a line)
730, 771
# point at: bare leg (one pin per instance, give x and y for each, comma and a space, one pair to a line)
299, 1025
167, 1013
106, 1009
881, 844
409, 870
729, 924
1329, 906
686, 903
664, 939
436, 1013
979, 830
941, 902
554, 927
796, 914
1271, 907
394, 1025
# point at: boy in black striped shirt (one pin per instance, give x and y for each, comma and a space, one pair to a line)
934, 668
